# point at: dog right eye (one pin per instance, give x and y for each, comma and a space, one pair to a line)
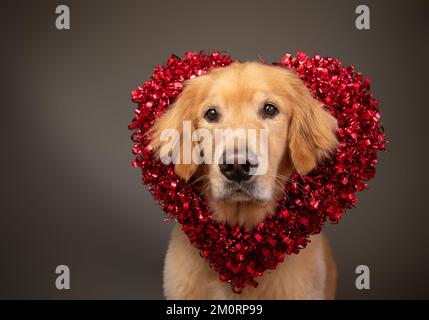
211, 115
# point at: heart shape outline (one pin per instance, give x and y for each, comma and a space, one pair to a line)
238, 254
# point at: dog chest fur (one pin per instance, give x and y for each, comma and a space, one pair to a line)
309, 275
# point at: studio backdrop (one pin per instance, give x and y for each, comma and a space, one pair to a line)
69, 195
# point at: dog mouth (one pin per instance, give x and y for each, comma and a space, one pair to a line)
241, 192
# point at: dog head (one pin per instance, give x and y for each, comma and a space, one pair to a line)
242, 98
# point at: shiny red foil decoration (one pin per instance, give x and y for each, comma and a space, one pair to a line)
238, 254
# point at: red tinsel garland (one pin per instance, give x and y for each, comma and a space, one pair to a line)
240, 255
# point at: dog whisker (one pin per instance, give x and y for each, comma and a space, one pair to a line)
199, 179
287, 179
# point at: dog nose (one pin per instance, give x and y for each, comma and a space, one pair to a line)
233, 170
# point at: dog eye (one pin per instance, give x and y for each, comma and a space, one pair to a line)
211, 115
269, 110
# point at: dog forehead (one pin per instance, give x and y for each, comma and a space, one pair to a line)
243, 82
244, 74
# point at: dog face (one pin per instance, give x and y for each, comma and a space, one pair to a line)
241, 98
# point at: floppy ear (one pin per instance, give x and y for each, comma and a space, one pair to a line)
312, 131
180, 112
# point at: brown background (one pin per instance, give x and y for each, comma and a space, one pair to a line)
69, 195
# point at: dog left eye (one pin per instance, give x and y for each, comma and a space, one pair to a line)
211, 115
269, 110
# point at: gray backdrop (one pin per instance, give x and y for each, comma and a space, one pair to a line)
69, 195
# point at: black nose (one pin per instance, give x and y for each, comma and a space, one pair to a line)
235, 171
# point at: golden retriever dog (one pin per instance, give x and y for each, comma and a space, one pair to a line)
250, 95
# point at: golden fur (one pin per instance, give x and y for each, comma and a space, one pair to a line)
300, 136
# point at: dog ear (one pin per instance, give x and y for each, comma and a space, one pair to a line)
312, 130
179, 114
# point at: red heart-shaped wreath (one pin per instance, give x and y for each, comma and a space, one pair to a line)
238, 254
